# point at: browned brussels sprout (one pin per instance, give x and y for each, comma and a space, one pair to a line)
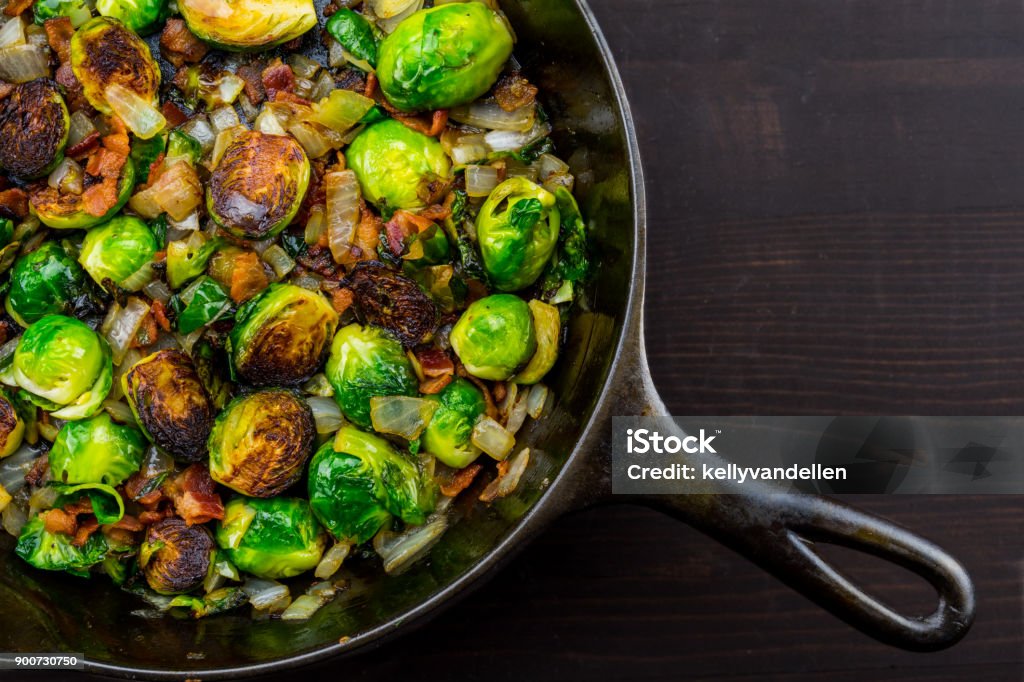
175, 557
170, 404
395, 302
34, 128
260, 443
104, 52
259, 184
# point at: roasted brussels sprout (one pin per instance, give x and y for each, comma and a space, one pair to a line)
495, 337
261, 442
75, 10
258, 185
34, 126
395, 165
448, 435
69, 211
170, 404
392, 301
175, 556
63, 366
517, 230
12, 426
44, 282
443, 57
365, 363
96, 450
141, 16
56, 551
244, 25
275, 538
105, 52
117, 250
280, 336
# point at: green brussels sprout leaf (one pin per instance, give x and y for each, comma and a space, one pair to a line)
107, 504
55, 551
205, 301
219, 601
354, 33
117, 250
146, 152
517, 231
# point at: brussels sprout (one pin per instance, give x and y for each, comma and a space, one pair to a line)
547, 322
275, 538
141, 16
175, 556
280, 336
170, 404
258, 185
443, 57
245, 25
55, 551
96, 450
495, 337
76, 10
354, 33
68, 211
117, 250
392, 301
63, 366
517, 230
34, 126
261, 442
358, 481
395, 165
44, 282
365, 363
104, 52
448, 435
12, 426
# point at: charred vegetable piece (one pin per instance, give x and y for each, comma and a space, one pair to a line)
34, 125
443, 57
117, 250
12, 426
517, 230
495, 337
354, 33
365, 363
105, 52
44, 282
280, 336
448, 436
358, 481
55, 551
395, 302
259, 184
170, 404
395, 165
260, 443
141, 16
66, 211
175, 556
245, 25
63, 366
275, 538
96, 450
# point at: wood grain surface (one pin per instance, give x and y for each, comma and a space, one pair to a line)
837, 226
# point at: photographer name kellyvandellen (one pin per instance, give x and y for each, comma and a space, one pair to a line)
734, 472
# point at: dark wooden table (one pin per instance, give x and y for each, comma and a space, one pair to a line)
837, 225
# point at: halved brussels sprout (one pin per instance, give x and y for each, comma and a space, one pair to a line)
280, 336
547, 322
357, 481
495, 337
448, 436
63, 366
105, 52
141, 16
44, 282
261, 442
12, 426
517, 230
55, 551
96, 450
175, 556
244, 25
275, 538
395, 165
117, 250
258, 185
68, 211
443, 57
366, 363
392, 301
170, 404
34, 125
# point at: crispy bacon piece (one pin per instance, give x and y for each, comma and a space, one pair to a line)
134, 486
499, 391
87, 145
290, 98
129, 523
247, 277
179, 45
194, 495
175, 116
352, 79
435, 385
318, 259
435, 362
254, 89
462, 480
82, 505
118, 143
99, 198
86, 528
514, 92
404, 224
37, 471
16, 7
160, 315
371, 85
278, 77
58, 35
59, 521
368, 231
342, 299
119, 537
74, 94
13, 203
432, 127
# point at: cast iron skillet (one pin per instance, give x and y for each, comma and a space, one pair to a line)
604, 373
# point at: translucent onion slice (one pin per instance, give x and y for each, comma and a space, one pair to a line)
80, 128
313, 141
326, 414
141, 117
140, 278
315, 224
400, 415
158, 291
341, 110
492, 438
13, 469
342, 190
400, 551
14, 519
508, 141
199, 129
538, 398
264, 594
122, 324
23, 63
279, 260
481, 180
224, 118
119, 412
12, 33
490, 116
517, 415
505, 485
333, 558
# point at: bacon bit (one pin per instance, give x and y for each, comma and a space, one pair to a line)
194, 495
432, 128
160, 315
437, 212
289, 98
514, 92
13, 203
74, 93
278, 77
5, 89
16, 7
351, 79
87, 145
38, 471
342, 299
98, 199
500, 391
368, 231
119, 537
58, 35
129, 523
435, 362
148, 518
86, 528
82, 505
117, 125
151, 499
155, 169
254, 89
179, 45
174, 115
396, 237
117, 143
59, 521
147, 334
462, 480
492, 409
135, 484
247, 277
371, 85
435, 385
492, 491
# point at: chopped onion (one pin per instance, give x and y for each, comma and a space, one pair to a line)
224, 138
67, 177
303, 88
139, 278
517, 415
333, 558
13, 469
505, 485
319, 386
199, 129
23, 63
506, 403
14, 519
81, 127
141, 117
465, 147
41, 498
517, 169
315, 224
400, 551
312, 140
158, 291
302, 66
189, 224
302, 608
507, 141
118, 411
490, 116
12, 33
535, 403
342, 190
268, 123
229, 87
341, 110
36, 35
122, 324
389, 24
335, 54
402, 416
218, 574
279, 260
326, 414
481, 180
7, 350
492, 438
224, 118
264, 593
324, 86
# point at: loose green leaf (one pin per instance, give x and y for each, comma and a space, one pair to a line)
355, 34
